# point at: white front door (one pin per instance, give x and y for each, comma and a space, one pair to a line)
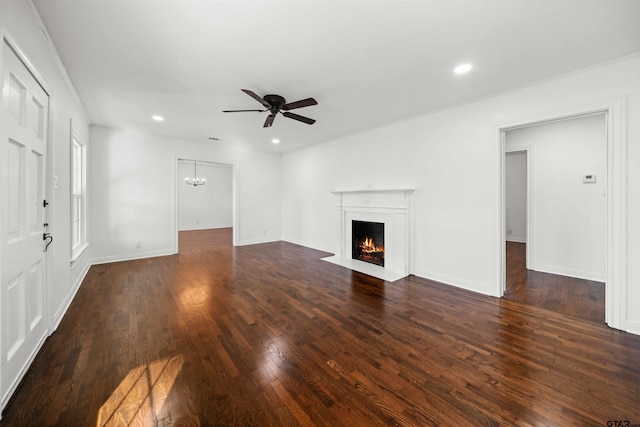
23, 130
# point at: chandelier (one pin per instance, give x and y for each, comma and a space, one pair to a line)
195, 181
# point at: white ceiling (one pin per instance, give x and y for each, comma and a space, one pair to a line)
367, 63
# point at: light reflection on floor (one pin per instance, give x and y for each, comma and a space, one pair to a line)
140, 397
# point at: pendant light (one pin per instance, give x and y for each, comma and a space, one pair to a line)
195, 181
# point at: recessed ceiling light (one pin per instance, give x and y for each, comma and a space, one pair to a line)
463, 68
275, 141
158, 118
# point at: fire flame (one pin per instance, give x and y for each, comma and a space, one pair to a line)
368, 246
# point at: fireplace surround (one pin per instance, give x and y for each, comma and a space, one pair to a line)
389, 208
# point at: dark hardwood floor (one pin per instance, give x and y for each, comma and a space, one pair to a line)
576, 297
270, 335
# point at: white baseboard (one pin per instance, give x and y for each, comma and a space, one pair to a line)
516, 239
131, 257
204, 228
59, 314
633, 327
258, 241
310, 245
480, 288
570, 272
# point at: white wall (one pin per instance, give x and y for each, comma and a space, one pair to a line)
133, 180
205, 206
453, 158
568, 220
23, 27
515, 189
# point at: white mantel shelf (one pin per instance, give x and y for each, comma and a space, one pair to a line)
391, 206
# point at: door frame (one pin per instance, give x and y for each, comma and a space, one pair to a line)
47, 193
234, 196
616, 229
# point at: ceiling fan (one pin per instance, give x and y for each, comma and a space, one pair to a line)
275, 104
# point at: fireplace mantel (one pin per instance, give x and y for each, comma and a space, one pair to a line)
389, 206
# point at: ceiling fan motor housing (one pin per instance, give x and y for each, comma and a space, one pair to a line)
275, 101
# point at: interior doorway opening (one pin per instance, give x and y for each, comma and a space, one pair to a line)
556, 178
205, 203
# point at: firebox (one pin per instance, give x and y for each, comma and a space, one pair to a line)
368, 241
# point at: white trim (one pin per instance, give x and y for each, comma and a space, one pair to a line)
571, 272
258, 241
131, 257
75, 139
78, 253
203, 228
481, 288
633, 327
328, 249
68, 299
616, 121
27, 62
516, 239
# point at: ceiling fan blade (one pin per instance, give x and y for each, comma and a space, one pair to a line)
299, 104
242, 111
299, 118
269, 121
256, 97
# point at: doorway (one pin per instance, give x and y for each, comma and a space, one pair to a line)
613, 256
555, 211
205, 207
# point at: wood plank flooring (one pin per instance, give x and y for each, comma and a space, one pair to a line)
270, 335
576, 297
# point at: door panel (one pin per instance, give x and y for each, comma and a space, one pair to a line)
35, 288
15, 187
36, 193
15, 310
23, 262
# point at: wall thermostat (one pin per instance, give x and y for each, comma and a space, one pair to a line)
588, 179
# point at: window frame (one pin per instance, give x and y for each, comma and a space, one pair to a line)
78, 196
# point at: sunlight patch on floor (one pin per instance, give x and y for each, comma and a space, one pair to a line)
140, 397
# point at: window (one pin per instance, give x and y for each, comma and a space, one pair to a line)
78, 196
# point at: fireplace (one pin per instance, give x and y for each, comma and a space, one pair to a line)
367, 242
373, 232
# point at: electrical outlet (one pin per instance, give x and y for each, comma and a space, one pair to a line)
138, 245
509, 231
